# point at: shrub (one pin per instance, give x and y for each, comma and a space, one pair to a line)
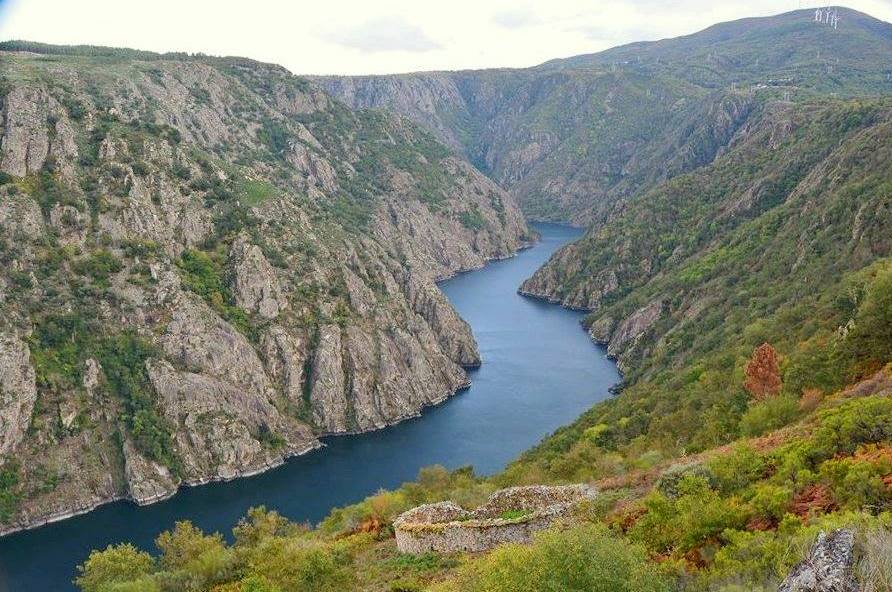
301, 566
771, 501
768, 415
192, 560
736, 470
585, 559
696, 516
668, 483
857, 484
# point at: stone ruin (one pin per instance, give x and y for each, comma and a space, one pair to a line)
510, 515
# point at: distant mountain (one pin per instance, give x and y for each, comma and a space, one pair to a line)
573, 138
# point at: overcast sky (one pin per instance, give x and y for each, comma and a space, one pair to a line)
380, 36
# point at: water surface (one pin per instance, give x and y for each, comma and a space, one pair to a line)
540, 371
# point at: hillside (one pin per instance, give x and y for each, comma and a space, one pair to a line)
731, 519
207, 264
772, 242
573, 138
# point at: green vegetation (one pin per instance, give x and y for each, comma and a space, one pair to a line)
472, 219
9, 494
269, 555
740, 516
63, 343
586, 558
514, 514
123, 359
734, 266
203, 274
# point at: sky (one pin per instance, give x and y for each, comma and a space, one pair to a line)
381, 36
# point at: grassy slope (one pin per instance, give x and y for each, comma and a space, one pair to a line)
733, 518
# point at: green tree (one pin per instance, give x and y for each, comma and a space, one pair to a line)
117, 566
871, 336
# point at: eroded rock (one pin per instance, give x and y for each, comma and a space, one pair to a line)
828, 566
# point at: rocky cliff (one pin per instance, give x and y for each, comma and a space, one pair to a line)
208, 263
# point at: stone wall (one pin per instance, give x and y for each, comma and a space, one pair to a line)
510, 515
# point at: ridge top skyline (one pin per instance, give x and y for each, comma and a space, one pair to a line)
347, 37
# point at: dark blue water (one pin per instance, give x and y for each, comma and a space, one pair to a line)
540, 371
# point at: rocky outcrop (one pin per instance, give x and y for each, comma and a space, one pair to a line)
828, 566
25, 143
634, 327
510, 515
147, 481
255, 285
18, 392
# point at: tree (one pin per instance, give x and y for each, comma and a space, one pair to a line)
870, 339
116, 566
763, 378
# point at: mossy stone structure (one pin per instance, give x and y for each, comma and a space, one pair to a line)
510, 515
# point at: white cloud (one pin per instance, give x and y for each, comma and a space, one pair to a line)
382, 36
516, 19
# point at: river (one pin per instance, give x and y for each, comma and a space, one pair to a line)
540, 371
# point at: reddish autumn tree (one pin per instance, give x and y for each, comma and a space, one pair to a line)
763, 373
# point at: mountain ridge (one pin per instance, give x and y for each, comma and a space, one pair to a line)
562, 136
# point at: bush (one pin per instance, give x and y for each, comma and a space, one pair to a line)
584, 559
768, 415
695, 517
301, 566
192, 560
668, 483
736, 470
114, 568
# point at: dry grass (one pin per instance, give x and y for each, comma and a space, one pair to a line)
875, 565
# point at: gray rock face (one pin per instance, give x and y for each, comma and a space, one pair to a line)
24, 143
147, 481
255, 286
18, 392
828, 566
633, 327
312, 307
